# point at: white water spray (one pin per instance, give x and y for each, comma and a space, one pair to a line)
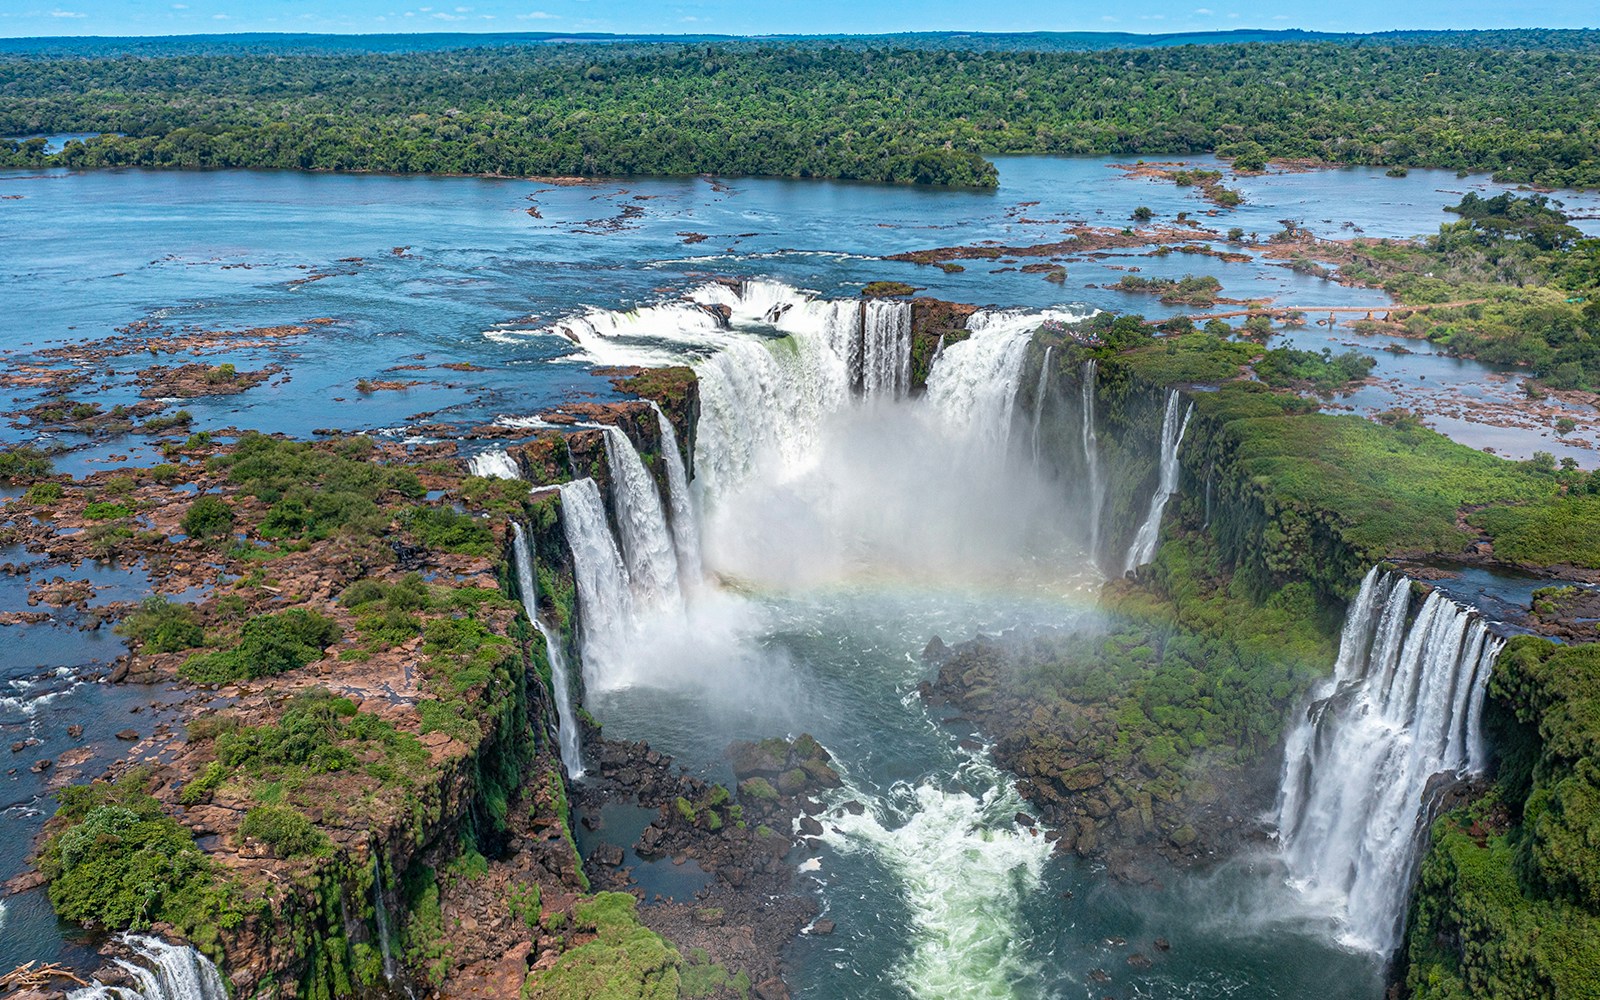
1143, 548
165, 971
965, 867
685, 521
494, 464
647, 544
605, 603
974, 386
885, 349
1402, 706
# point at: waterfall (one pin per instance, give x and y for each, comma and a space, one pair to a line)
1091, 456
165, 971
1143, 548
973, 388
938, 348
885, 349
1403, 704
380, 909
647, 543
685, 522
605, 602
560, 679
493, 464
1038, 401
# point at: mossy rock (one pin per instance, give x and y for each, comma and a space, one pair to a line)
888, 289
758, 789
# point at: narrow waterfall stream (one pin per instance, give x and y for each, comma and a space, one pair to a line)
380, 909
1091, 456
1038, 400
1404, 704
1143, 548
560, 674
685, 521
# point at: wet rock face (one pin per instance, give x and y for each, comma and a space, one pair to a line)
749, 910
1092, 803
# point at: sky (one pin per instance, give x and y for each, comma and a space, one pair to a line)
747, 17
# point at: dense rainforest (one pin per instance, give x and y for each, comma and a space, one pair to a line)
1526, 111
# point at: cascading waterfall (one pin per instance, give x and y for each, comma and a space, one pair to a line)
973, 388
1143, 548
647, 543
166, 972
605, 602
1091, 456
1403, 705
885, 349
494, 464
1038, 401
685, 522
560, 679
380, 909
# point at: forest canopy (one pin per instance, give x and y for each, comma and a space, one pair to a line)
915, 115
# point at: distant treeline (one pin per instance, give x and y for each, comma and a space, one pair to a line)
919, 115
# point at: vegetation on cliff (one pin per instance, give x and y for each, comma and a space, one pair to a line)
1508, 904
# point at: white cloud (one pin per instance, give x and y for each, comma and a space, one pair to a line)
463, 10
219, 17
180, 6
442, 16
1204, 10
67, 13
539, 15
1108, 19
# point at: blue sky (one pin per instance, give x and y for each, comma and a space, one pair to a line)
162, 17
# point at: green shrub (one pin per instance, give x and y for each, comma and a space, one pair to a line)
102, 510
287, 831
168, 421
45, 494
162, 626
625, 958
23, 464
443, 529
208, 517
268, 644
114, 860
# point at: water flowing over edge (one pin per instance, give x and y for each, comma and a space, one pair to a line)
1404, 705
1143, 548
170, 972
560, 679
